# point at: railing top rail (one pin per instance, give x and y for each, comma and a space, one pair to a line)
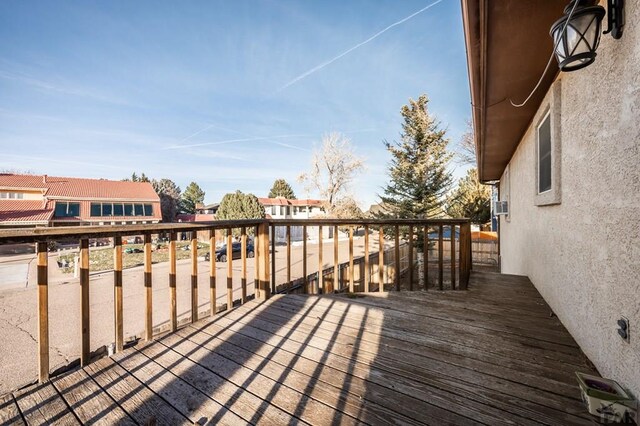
28, 235
24, 235
320, 221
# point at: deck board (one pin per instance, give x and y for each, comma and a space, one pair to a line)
43, 405
490, 355
9, 413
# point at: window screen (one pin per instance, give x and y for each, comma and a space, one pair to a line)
544, 155
118, 210
107, 209
61, 209
128, 209
148, 210
73, 209
138, 209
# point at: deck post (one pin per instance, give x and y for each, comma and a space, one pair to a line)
263, 290
148, 290
194, 276
173, 304
117, 293
243, 257
85, 331
43, 312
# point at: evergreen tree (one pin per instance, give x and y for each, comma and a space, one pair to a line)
471, 199
169, 194
191, 197
418, 175
281, 188
238, 205
135, 178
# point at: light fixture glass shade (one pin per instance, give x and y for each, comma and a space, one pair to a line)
576, 45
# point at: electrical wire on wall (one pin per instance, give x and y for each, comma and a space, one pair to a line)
549, 61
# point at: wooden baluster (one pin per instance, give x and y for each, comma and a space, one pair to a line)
273, 259
453, 257
256, 248
367, 272
410, 257
304, 259
85, 331
212, 272
263, 291
320, 281
243, 257
465, 259
289, 256
351, 268
148, 291
43, 311
397, 259
440, 259
194, 276
117, 293
381, 260
173, 304
229, 269
336, 259
425, 257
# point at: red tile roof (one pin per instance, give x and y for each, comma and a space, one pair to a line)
24, 211
84, 191
74, 188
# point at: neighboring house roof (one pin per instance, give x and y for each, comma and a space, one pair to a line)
80, 190
31, 211
195, 217
280, 201
75, 188
212, 206
508, 46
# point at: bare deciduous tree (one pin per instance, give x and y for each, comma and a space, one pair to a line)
333, 167
466, 150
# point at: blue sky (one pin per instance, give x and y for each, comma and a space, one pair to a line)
220, 92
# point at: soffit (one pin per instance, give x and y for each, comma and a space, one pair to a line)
508, 47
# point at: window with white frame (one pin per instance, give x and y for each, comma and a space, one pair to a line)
545, 180
548, 149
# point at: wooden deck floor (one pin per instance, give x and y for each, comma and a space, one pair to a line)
491, 355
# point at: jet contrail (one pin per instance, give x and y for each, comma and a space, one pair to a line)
224, 142
346, 52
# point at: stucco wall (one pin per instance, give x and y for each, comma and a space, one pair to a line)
583, 254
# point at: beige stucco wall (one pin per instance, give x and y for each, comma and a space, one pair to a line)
583, 254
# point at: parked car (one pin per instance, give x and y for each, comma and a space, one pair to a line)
236, 250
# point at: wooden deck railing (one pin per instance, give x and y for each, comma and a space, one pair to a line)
375, 267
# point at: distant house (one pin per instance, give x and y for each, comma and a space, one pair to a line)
283, 208
41, 200
567, 164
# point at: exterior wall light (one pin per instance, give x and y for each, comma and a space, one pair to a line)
577, 34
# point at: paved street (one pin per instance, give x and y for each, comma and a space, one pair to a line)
18, 304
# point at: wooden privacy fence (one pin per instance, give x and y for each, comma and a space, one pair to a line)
413, 233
